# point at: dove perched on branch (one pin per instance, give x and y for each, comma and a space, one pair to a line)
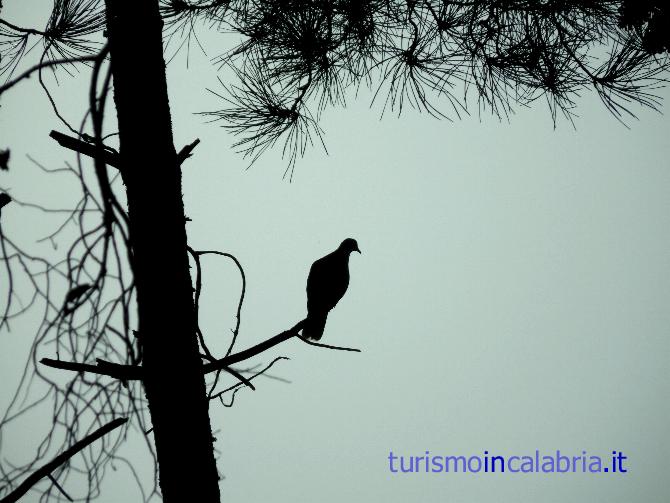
326, 284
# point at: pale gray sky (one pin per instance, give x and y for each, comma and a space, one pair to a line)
512, 295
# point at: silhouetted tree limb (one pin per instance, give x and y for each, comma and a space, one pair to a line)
254, 350
118, 371
264, 346
185, 152
128, 373
46, 470
104, 368
110, 157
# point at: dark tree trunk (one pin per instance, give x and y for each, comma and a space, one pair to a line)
174, 382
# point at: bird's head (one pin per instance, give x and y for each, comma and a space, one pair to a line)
349, 245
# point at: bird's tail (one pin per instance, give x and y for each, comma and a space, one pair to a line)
314, 326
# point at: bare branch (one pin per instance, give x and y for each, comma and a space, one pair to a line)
185, 152
110, 157
254, 350
115, 370
45, 470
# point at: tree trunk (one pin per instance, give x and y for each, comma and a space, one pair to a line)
174, 382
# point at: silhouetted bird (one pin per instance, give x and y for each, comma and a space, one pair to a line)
327, 281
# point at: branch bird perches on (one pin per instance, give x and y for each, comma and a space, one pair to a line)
132, 372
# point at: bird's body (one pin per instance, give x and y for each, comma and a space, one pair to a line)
327, 283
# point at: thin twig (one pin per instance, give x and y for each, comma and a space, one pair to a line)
44, 64
327, 346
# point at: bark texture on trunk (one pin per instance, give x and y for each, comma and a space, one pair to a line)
174, 382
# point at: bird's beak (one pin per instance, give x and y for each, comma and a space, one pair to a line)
358, 250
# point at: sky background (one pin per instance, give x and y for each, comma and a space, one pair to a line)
512, 293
